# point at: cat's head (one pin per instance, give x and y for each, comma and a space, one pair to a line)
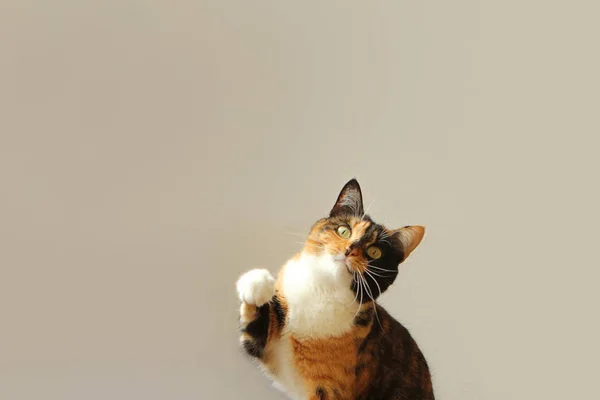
369, 252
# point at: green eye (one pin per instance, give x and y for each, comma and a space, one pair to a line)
344, 232
374, 252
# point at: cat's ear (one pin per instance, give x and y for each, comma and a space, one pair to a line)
349, 201
410, 237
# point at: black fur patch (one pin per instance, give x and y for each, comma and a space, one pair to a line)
373, 335
364, 317
349, 200
321, 393
259, 331
253, 349
280, 313
359, 367
401, 370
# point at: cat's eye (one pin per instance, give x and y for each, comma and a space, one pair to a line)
344, 232
374, 252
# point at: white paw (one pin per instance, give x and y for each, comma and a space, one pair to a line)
256, 287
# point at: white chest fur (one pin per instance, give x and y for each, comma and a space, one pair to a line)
320, 304
320, 301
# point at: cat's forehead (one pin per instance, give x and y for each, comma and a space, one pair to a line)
360, 225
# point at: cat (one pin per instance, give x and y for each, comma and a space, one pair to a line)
317, 331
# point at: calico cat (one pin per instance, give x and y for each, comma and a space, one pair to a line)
318, 331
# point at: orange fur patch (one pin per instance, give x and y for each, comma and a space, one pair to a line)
328, 365
320, 240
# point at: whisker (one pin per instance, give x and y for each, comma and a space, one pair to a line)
386, 241
368, 208
379, 268
386, 235
303, 244
354, 279
376, 274
296, 234
317, 244
353, 273
312, 240
374, 280
374, 303
361, 296
368, 290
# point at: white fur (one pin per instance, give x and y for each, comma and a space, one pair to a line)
287, 379
320, 301
320, 304
351, 199
256, 287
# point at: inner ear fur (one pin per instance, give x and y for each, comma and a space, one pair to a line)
410, 237
349, 200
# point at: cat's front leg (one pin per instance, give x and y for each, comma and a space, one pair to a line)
255, 290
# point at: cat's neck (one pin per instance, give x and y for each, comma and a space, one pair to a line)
317, 291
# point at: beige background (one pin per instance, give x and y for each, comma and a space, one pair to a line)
151, 151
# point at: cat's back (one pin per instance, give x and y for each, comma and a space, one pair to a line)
393, 361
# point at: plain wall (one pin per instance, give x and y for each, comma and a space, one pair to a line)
152, 151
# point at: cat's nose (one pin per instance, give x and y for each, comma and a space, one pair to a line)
352, 252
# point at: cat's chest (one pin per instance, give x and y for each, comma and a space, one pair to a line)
319, 299
320, 306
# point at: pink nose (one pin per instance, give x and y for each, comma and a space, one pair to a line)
353, 253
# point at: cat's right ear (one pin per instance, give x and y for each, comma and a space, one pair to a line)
349, 201
410, 237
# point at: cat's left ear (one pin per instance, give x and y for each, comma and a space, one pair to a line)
349, 201
410, 237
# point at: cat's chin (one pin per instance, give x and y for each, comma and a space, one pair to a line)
339, 258
342, 261
336, 263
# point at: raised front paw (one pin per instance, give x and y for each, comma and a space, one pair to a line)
256, 287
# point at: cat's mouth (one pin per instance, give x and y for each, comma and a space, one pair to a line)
340, 258
343, 260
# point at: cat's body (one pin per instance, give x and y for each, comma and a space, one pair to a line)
317, 331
